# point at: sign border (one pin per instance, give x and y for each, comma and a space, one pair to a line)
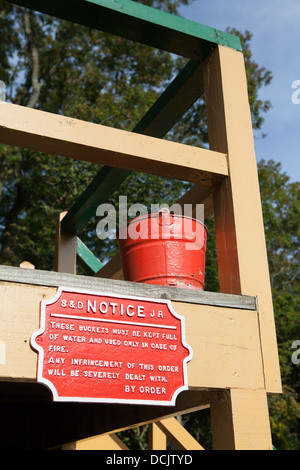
40, 350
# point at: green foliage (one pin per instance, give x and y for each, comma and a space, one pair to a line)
61, 68
281, 210
284, 418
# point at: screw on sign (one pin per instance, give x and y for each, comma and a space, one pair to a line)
97, 347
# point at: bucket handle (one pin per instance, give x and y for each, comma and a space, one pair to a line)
165, 217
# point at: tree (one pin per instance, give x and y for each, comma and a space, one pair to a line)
58, 67
281, 211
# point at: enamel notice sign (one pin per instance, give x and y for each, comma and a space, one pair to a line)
97, 347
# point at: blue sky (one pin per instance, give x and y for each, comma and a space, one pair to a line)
275, 25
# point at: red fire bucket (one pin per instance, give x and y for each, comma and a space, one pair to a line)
164, 249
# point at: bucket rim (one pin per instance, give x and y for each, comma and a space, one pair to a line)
156, 214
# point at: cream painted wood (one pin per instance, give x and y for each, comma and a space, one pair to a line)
226, 347
242, 257
102, 442
18, 320
157, 439
240, 420
26, 265
73, 138
178, 435
225, 341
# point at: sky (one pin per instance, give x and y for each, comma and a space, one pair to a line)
275, 25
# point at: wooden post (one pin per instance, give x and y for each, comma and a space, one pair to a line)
240, 420
242, 256
157, 440
65, 249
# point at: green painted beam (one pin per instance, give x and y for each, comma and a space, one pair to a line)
140, 23
178, 97
87, 259
173, 103
97, 192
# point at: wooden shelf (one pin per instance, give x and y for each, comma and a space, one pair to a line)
218, 326
37, 277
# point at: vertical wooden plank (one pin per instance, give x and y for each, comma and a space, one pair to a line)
157, 440
65, 249
242, 256
221, 420
227, 249
240, 420
177, 434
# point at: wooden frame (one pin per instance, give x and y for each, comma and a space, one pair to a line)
236, 326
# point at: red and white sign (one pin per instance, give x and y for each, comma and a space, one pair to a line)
96, 347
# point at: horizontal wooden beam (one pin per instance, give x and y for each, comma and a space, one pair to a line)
139, 23
73, 138
225, 343
178, 97
222, 339
225, 340
55, 279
